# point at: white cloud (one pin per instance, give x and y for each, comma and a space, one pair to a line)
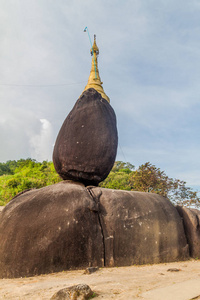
42, 143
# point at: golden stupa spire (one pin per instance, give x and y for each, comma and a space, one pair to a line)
94, 80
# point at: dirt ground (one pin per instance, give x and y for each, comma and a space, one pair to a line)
107, 283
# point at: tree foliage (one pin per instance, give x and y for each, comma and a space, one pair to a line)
16, 176
119, 177
149, 178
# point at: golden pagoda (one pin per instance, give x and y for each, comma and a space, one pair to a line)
94, 80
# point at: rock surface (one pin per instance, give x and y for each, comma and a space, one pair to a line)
76, 292
48, 230
191, 221
139, 228
68, 226
86, 145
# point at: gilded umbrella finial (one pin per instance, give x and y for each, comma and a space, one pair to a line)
94, 80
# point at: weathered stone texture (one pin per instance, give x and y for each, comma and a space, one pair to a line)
140, 228
76, 292
49, 230
191, 221
68, 226
86, 145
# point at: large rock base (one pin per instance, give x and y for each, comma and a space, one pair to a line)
68, 226
191, 222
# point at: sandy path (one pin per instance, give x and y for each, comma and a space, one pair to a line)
108, 283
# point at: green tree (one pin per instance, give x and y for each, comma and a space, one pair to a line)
119, 176
25, 174
148, 178
8, 167
120, 166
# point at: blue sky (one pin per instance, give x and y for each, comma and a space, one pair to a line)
149, 63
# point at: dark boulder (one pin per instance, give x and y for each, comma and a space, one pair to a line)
139, 228
48, 230
75, 292
68, 226
191, 221
86, 145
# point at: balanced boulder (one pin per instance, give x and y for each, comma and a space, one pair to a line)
86, 145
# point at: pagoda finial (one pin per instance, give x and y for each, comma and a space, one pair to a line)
94, 48
94, 80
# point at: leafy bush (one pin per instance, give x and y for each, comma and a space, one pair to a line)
26, 174
148, 178
17, 176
